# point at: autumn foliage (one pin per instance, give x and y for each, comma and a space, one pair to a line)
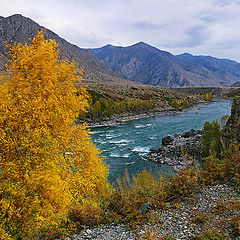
47, 162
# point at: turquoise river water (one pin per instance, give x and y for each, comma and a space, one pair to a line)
126, 146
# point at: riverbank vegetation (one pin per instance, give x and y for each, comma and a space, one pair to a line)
188, 101
205, 96
135, 100
104, 106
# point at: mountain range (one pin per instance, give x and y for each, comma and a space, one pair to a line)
148, 65
18, 28
140, 63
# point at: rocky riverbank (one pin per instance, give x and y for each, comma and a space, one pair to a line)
215, 207
179, 151
126, 117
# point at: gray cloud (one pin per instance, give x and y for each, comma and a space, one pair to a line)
147, 25
198, 35
200, 27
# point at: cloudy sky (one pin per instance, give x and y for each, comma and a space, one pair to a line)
200, 27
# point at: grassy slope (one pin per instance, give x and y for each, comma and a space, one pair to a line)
144, 92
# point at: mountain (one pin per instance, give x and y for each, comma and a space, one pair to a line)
236, 84
224, 67
18, 28
149, 65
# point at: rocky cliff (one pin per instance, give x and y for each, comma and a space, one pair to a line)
231, 133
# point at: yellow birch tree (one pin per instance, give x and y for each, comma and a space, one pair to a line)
47, 163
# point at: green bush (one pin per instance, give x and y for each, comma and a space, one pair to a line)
211, 135
224, 167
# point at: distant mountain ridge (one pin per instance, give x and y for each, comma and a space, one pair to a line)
236, 84
18, 28
149, 65
221, 66
140, 62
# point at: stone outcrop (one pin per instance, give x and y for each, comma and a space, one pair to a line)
231, 133
183, 150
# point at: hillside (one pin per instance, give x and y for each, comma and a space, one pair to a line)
18, 28
228, 69
149, 65
236, 84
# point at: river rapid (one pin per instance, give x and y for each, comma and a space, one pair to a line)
126, 146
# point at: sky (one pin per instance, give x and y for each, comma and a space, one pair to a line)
199, 27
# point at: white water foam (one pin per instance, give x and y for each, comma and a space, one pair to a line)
142, 125
109, 136
139, 126
117, 155
129, 163
120, 141
141, 149
143, 156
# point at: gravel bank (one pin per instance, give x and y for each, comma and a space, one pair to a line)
126, 117
186, 219
181, 220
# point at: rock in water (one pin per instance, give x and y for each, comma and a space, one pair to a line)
180, 152
190, 133
167, 140
231, 133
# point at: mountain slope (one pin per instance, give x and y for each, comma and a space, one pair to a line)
149, 65
236, 84
17, 28
225, 67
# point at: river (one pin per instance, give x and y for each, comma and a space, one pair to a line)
126, 146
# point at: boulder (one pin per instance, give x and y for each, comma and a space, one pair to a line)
155, 150
188, 134
167, 140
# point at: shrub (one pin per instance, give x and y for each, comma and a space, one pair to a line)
222, 168
130, 202
211, 138
184, 184
200, 218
